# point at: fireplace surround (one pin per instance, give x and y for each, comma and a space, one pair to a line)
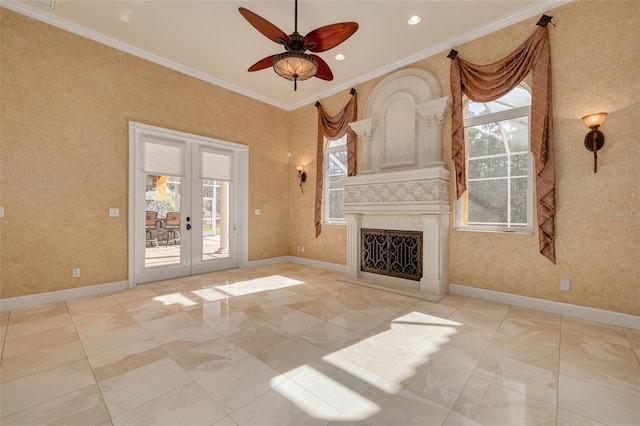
403, 184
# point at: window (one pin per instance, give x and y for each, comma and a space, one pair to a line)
335, 172
498, 196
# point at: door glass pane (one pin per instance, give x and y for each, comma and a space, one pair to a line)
162, 220
215, 219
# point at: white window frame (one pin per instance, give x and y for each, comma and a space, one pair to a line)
495, 117
328, 151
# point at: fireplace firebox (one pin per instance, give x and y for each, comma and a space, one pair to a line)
392, 253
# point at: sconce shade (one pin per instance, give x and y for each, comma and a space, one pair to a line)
594, 140
295, 66
594, 120
299, 168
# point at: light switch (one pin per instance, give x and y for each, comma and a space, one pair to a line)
1, 211
256, 212
114, 212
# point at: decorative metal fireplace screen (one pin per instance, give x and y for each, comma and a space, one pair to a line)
393, 253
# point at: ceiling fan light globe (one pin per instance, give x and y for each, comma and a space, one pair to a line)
295, 66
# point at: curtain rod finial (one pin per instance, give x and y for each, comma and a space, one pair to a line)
452, 54
318, 104
352, 91
544, 20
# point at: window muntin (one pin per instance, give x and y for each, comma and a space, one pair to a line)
498, 196
516, 98
335, 172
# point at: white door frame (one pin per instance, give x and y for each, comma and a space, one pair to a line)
241, 221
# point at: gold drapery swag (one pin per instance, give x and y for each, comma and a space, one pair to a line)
334, 127
484, 83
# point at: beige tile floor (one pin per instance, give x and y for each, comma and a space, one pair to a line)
290, 345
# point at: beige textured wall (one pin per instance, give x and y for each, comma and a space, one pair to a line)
65, 106
63, 151
595, 63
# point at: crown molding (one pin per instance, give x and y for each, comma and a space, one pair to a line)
32, 12
72, 27
533, 10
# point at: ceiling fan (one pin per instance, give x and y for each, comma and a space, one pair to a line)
294, 64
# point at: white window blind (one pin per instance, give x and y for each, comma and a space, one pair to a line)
164, 158
216, 165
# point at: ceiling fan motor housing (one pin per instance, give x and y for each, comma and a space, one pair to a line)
297, 43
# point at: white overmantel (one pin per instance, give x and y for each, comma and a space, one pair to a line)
402, 128
403, 183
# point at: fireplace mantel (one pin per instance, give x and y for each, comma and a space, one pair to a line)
411, 200
423, 190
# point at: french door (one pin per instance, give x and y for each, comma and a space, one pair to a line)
187, 204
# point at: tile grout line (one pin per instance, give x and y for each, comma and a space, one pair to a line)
171, 356
89, 364
58, 366
633, 349
562, 317
4, 339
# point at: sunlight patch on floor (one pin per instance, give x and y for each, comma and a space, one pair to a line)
210, 294
257, 285
175, 298
325, 386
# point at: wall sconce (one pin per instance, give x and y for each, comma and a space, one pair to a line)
594, 139
302, 175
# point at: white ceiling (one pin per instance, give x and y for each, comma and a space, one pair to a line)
210, 40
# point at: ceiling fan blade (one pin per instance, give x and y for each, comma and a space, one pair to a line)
265, 27
262, 64
324, 72
329, 36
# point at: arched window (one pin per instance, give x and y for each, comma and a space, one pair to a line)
498, 196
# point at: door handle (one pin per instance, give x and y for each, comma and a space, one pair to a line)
188, 226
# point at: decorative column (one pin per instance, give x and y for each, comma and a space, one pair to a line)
434, 113
353, 244
364, 129
435, 254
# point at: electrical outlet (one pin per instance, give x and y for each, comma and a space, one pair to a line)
302, 249
75, 272
565, 285
114, 212
1, 211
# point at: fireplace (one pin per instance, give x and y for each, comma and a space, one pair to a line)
402, 189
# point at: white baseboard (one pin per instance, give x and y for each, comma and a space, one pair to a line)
299, 260
566, 309
61, 295
318, 264
266, 262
